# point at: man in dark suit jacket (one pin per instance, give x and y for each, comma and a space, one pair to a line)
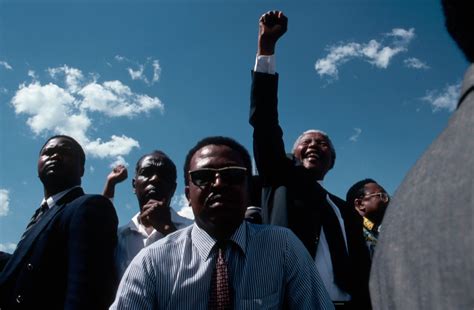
65, 257
425, 255
293, 196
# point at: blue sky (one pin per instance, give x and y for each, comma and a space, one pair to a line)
126, 77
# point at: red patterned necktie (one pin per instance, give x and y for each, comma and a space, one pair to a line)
221, 297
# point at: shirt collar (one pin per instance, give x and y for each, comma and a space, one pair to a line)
51, 201
204, 243
178, 220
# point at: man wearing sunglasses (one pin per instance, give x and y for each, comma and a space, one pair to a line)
154, 185
293, 195
222, 261
370, 200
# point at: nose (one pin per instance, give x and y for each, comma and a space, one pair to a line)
56, 155
218, 182
154, 178
313, 142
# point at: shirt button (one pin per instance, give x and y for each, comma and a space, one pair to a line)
19, 299
29, 267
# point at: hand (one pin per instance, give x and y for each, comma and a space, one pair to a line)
157, 214
272, 25
117, 175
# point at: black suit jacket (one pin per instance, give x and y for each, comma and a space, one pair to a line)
291, 196
65, 260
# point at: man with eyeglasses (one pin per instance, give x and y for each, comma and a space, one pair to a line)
222, 261
293, 195
370, 200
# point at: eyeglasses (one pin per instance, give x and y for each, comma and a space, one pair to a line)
382, 196
232, 175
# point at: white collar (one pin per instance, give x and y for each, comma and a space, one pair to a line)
51, 201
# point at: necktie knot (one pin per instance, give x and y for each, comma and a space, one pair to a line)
36, 216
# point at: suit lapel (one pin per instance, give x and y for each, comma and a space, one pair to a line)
27, 242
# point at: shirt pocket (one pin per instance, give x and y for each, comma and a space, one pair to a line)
267, 302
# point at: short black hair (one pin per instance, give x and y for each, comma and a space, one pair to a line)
82, 155
169, 168
459, 22
218, 140
357, 190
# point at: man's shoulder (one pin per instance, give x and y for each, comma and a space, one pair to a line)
91, 209
268, 233
179, 220
338, 201
90, 199
175, 239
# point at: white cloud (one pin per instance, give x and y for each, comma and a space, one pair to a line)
137, 74
73, 77
446, 99
152, 66
120, 58
156, 71
32, 74
356, 135
4, 201
116, 146
180, 203
401, 35
115, 99
3, 90
373, 52
52, 108
8, 247
415, 63
118, 161
6, 65
91, 169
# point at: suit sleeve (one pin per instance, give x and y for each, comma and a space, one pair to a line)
91, 244
268, 147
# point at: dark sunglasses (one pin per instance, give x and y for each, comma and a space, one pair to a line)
232, 175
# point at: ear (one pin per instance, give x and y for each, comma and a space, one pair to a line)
133, 185
173, 190
186, 192
359, 206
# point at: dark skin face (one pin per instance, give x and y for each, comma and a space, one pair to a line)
314, 152
218, 208
59, 166
372, 207
152, 181
154, 188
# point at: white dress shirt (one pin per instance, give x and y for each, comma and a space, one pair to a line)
133, 237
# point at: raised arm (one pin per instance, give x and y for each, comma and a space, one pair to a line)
117, 175
269, 150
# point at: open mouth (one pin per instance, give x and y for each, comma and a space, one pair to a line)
312, 155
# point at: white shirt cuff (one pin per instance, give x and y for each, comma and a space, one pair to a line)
265, 64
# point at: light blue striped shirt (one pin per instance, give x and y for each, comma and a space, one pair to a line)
268, 268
